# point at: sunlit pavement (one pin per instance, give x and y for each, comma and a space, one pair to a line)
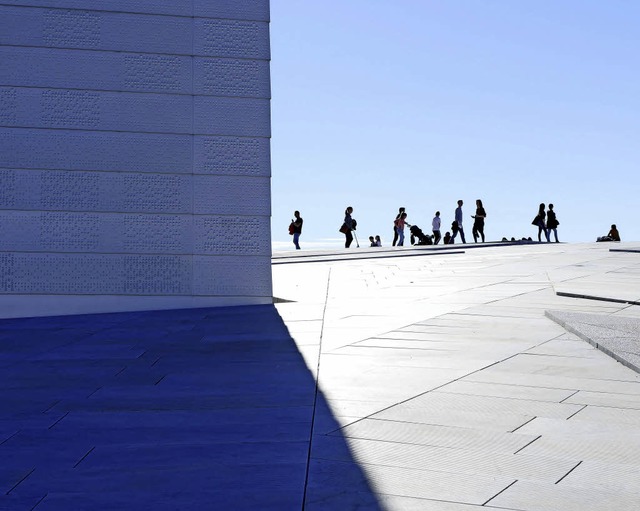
455, 389
448, 380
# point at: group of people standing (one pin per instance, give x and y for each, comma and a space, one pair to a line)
546, 222
400, 223
436, 226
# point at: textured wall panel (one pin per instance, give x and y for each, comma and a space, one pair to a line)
85, 150
222, 275
89, 274
231, 235
232, 155
231, 38
88, 110
81, 69
227, 195
134, 154
96, 30
231, 77
95, 110
125, 32
231, 116
60, 190
177, 7
96, 232
234, 9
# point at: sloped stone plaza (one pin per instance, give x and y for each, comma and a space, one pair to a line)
447, 380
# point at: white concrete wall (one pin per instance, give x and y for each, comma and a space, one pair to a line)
134, 155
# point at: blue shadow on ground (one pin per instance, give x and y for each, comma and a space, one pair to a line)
198, 409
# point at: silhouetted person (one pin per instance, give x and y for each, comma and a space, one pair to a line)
539, 221
372, 241
478, 221
395, 231
378, 241
435, 226
447, 240
297, 228
458, 217
347, 227
552, 224
400, 223
613, 233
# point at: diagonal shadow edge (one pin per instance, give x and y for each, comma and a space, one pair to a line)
175, 409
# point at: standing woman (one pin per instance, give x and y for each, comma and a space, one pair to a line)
478, 222
347, 227
552, 223
539, 221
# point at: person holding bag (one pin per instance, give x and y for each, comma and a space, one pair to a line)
348, 225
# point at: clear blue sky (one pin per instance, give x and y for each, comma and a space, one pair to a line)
379, 104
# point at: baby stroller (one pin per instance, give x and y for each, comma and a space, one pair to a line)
418, 237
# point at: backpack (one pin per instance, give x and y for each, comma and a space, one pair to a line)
292, 228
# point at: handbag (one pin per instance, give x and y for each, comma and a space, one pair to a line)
344, 229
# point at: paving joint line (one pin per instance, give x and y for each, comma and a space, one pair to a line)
20, 481
569, 396
501, 491
579, 463
315, 395
94, 392
39, 502
10, 437
576, 413
56, 422
597, 298
430, 390
524, 424
82, 459
528, 444
51, 406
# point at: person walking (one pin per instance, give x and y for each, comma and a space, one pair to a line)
400, 223
478, 221
297, 228
435, 226
458, 219
347, 226
552, 224
539, 221
395, 231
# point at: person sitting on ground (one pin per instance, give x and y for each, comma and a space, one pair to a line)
378, 241
447, 240
613, 233
373, 241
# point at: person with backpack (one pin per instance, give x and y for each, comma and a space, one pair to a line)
295, 228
